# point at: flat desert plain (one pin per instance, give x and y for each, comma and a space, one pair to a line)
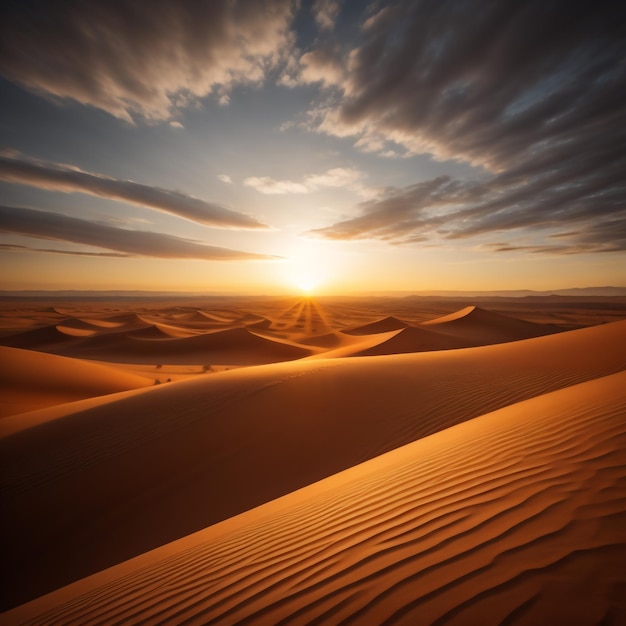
229, 460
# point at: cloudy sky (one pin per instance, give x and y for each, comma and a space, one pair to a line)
259, 146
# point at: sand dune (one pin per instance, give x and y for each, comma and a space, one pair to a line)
213, 317
205, 319
165, 331
354, 345
118, 320
480, 326
128, 475
414, 340
234, 346
161, 344
114, 338
333, 339
45, 338
159, 331
65, 331
260, 324
76, 332
107, 324
78, 324
513, 517
381, 326
31, 380
101, 323
226, 316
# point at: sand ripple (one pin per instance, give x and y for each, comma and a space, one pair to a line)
514, 517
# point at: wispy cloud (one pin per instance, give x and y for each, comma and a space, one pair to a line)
609, 236
56, 227
132, 59
225, 178
337, 177
396, 215
320, 65
460, 80
267, 185
13, 247
71, 180
446, 209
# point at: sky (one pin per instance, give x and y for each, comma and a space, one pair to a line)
271, 146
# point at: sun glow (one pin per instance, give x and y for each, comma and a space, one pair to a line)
308, 267
306, 284
306, 279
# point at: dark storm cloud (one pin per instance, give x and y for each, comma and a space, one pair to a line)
141, 58
531, 91
53, 226
67, 179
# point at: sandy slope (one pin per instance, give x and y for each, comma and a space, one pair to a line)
516, 516
121, 477
31, 380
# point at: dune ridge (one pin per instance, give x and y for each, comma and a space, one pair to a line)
115, 476
514, 516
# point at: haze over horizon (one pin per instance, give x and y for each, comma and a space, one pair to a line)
270, 146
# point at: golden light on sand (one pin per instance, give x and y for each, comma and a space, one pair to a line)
464, 442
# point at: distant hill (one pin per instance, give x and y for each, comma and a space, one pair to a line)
609, 292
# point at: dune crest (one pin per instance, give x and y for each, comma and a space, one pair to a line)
456, 315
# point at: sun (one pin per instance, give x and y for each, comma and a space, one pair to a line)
306, 277
307, 268
306, 284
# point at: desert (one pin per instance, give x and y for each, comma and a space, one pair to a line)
306, 460
312, 312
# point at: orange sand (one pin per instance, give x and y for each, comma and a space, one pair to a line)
31, 380
514, 515
426, 481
